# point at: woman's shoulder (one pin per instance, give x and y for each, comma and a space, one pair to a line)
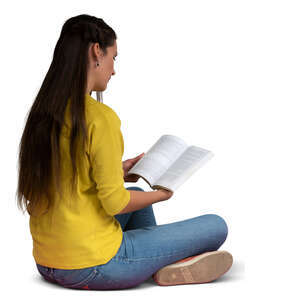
98, 112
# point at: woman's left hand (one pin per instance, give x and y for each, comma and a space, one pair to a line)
127, 165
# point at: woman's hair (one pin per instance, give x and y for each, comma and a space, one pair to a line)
39, 152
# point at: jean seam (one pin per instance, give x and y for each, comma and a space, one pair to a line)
123, 258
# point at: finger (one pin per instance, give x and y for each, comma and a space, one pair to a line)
138, 157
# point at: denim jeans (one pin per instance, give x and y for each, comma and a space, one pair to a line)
146, 247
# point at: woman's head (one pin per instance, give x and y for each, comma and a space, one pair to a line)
95, 42
84, 40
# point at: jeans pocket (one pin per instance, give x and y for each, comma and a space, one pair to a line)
76, 278
44, 271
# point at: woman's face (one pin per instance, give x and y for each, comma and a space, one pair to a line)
98, 77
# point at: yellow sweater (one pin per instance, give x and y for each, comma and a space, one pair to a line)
84, 232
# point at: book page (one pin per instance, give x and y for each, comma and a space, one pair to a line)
159, 157
184, 167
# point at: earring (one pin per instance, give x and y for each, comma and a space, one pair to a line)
97, 64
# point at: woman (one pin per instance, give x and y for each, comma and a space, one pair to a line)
88, 230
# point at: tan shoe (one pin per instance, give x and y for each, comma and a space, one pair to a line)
200, 268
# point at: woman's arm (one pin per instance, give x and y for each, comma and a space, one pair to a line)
141, 199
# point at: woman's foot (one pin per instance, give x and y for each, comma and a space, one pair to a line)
200, 268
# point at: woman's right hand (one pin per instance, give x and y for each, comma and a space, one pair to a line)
164, 194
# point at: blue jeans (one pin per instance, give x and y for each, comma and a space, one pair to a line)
145, 248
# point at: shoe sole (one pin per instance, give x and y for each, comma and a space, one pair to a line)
201, 268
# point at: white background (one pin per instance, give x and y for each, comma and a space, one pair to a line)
223, 75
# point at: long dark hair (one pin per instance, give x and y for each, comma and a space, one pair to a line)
39, 152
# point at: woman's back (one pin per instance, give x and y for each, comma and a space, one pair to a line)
80, 231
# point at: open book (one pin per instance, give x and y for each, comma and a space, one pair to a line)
170, 162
